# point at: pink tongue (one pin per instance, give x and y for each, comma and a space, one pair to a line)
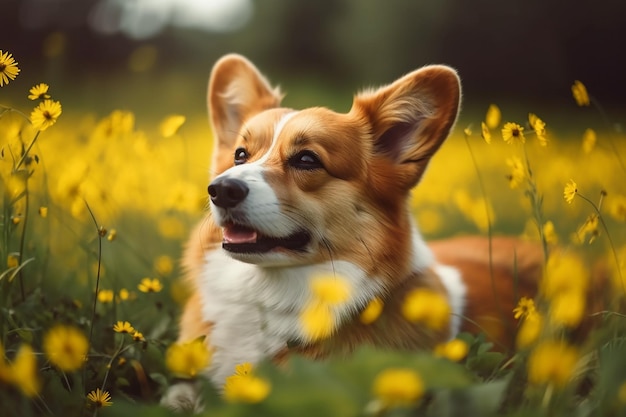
239, 234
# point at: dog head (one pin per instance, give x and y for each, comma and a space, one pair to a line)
307, 186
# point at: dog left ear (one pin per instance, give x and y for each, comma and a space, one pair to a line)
410, 118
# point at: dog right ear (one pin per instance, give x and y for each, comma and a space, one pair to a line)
237, 91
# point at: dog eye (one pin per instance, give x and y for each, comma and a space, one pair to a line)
306, 160
241, 156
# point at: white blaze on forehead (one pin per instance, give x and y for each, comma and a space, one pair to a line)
278, 128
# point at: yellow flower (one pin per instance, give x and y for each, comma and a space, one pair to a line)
150, 285
484, 132
100, 398
163, 265
66, 347
539, 127
170, 125
454, 350
24, 373
589, 140
40, 91
187, 360
552, 362
138, 336
330, 289
45, 114
105, 296
518, 172
567, 308
8, 68
579, 91
512, 133
372, 311
617, 208
396, 387
525, 307
589, 227
564, 272
570, 191
493, 116
529, 331
124, 294
317, 321
244, 387
123, 327
427, 307
549, 233
13, 260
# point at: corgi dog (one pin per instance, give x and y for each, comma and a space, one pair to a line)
295, 193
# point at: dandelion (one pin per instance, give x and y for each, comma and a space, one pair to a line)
589, 227
564, 272
539, 127
518, 172
66, 347
124, 294
513, 133
138, 336
170, 125
493, 116
123, 327
150, 285
529, 331
525, 307
485, 132
317, 321
579, 91
330, 289
454, 350
39, 92
8, 68
549, 233
244, 387
24, 371
45, 114
105, 296
163, 265
552, 362
617, 208
99, 398
570, 191
372, 311
427, 307
589, 140
397, 387
13, 260
567, 308
187, 360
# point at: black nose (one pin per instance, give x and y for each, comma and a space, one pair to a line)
227, 192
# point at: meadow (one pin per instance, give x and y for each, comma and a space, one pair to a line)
96, 209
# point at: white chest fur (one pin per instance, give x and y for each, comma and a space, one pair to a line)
256, 310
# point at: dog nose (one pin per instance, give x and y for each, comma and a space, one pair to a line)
227, 192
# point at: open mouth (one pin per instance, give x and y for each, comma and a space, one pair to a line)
242, 239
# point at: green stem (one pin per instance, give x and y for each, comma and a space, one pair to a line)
23, 241
25, 154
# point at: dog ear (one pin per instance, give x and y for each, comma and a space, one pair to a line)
409, 119
237, 91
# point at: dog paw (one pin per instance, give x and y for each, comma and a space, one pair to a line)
183, 397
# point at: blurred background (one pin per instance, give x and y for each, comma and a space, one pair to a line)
134, 53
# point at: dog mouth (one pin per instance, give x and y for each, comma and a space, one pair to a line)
243, 239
